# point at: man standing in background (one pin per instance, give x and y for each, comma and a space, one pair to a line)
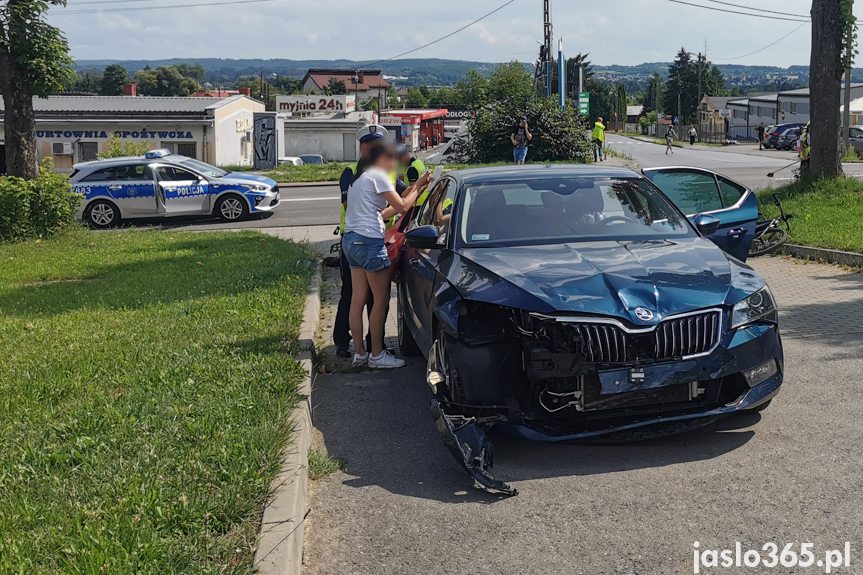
760, 132
520, 137
598, 137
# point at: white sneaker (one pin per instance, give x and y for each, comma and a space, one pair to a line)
360, 359
385, 360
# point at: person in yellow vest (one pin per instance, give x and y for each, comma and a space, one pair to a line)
367, 136
412, 169
598, 137
805, 149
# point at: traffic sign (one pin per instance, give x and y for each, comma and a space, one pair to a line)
725, 113
584, 103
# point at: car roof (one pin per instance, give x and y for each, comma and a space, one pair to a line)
129, 160
497, 173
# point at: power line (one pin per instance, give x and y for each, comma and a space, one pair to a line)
759, 9
142, 8
737, 12
765, 47
450, 35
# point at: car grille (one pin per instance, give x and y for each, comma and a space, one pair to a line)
673, 338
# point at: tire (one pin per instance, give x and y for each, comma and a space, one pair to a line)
454, 390
769, 242
231, 208
407, 345
102, 214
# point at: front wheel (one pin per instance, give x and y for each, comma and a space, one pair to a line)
768, 242
102, 214
231, 208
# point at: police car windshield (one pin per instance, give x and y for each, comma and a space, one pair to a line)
204, 168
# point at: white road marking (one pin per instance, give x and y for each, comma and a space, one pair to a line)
315, 199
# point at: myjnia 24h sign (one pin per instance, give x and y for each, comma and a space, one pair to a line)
309, 104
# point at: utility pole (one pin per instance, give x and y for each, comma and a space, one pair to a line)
561, 73
548, 39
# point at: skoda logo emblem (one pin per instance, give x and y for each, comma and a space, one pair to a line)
643, 314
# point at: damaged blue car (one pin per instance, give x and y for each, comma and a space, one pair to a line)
567, 303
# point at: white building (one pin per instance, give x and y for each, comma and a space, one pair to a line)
333, 135
73, 129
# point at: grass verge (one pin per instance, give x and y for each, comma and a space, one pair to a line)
329, 172
146, 380
827, 213
322, 465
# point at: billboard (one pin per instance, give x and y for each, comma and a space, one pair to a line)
310, 104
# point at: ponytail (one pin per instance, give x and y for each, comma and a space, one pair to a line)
376, 152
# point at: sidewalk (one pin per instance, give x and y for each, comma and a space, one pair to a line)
403, 506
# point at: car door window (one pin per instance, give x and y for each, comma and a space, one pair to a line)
426, 214
692, 192
730, 192
103, 175
856, 133
137, 173
174, 174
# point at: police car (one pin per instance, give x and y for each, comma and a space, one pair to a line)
160, 183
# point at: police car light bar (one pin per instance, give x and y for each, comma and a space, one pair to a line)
153, 154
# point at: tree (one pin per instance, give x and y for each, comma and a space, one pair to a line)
621, 102
473, 90
557, 134
113, 79
681, 89
335, 87
34, 61
833, 36
653, 95
165, 81
415, 98
89, 81
117, 148
511, 83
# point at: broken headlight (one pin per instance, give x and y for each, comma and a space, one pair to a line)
759, 306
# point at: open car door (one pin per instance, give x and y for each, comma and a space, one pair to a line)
698, 191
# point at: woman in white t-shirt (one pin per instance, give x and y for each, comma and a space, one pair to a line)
372, 198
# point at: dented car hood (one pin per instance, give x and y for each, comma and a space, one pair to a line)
609, 278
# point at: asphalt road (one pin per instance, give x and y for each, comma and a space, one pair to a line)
743, 162
790, 475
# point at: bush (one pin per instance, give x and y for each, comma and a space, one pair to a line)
117, 148
36, 208
558, 135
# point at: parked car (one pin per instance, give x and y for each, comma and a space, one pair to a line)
767, 131
856, 138
772, 141
290, 161
454, 152
563, 303
787, 140
313, 159
160, 183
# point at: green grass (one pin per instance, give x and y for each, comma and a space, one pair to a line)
321, 465
145, 383
827, 213
329, 172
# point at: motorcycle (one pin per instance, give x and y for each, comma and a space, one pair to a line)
769, 235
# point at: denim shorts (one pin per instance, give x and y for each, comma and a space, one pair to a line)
368, 254
519, 153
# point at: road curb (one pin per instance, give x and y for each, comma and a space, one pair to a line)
283, 185
280, 540
839, 257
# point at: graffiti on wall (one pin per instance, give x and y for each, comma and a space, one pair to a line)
266, 147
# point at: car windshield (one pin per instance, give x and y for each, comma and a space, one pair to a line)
568, 209
312, 159
204, 168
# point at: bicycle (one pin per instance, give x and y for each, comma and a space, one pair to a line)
769, 236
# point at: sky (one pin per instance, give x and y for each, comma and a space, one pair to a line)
613, 31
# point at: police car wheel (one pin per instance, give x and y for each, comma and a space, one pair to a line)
232, 208
103, 214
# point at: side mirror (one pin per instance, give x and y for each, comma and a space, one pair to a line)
706, 224
424, 238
